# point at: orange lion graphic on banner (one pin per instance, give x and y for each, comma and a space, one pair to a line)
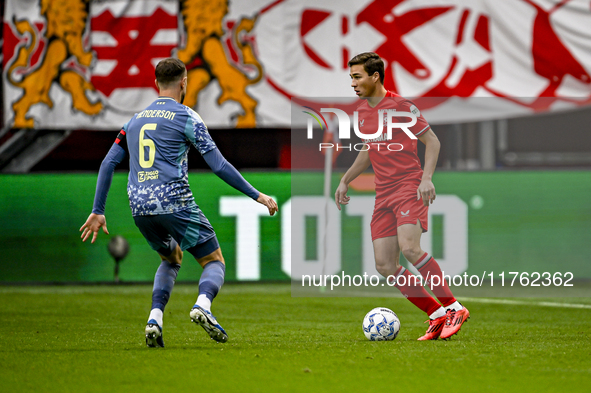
66, 22
206, 58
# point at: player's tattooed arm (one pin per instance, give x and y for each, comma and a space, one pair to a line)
426, 189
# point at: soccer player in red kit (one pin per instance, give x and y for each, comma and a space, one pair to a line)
403, 194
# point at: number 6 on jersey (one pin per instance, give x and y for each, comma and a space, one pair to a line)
145, 142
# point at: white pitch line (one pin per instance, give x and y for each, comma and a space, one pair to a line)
522, 303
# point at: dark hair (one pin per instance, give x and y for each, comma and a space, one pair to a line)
170, 70
371, 62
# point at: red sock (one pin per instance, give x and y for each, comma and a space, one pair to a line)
428, 267
414, 291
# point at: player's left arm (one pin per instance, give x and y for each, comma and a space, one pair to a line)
226, 171
426, 189
198, 135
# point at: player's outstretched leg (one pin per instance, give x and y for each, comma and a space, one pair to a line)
456, 313
163, 283
412, 289
210, 283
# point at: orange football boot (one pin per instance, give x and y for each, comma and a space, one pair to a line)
454, 322
435, 328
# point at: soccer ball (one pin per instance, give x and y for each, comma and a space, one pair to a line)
381, 324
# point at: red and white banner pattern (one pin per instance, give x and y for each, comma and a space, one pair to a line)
81, 64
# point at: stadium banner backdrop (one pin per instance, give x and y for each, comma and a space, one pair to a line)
92, 66
522, 221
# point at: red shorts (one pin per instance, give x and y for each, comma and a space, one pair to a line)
397, 207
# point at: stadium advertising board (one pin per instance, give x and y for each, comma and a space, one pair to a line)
481, 223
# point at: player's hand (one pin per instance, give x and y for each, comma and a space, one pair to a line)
426, 191
340, 196
92, 225
269, 202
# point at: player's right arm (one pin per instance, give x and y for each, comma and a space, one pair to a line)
361, 163
96, 220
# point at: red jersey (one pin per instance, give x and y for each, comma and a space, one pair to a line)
394, 159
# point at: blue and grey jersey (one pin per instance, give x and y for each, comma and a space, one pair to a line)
158, 140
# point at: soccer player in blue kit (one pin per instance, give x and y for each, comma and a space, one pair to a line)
162, 204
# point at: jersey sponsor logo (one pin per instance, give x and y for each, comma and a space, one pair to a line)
145, 176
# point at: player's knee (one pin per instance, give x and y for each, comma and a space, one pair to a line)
383, 270
386, 266
179, 255
214, 256
411, 252
175, 257
217, 256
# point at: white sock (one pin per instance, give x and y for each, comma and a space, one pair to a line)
456, 306
156, 314
438, 314
204, 302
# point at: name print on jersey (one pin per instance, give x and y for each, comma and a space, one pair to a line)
168, 115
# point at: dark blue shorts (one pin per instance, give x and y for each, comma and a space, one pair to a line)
188, 228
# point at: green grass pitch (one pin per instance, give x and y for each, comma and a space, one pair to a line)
90, 339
